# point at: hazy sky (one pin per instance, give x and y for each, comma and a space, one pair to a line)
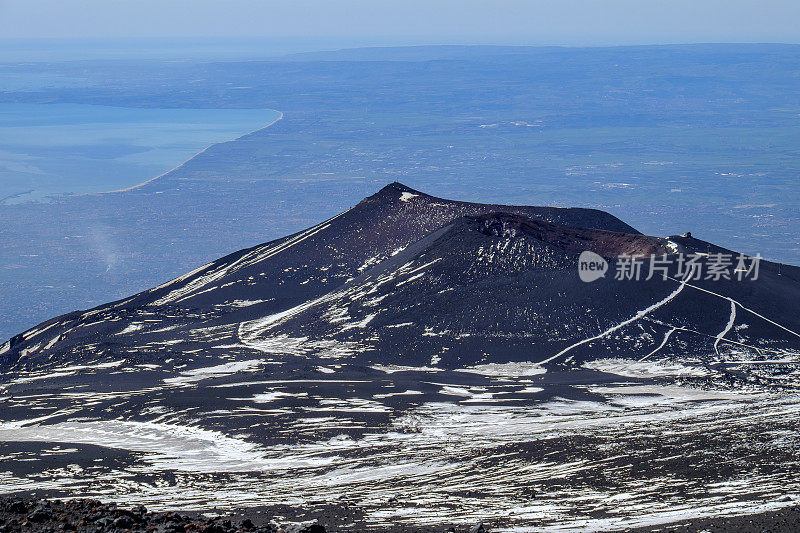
571, 22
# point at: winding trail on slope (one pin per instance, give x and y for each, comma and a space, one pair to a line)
637, 316
759, 315
728, 326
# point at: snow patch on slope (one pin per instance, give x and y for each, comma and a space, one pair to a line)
515, 369
198, 374
645, 369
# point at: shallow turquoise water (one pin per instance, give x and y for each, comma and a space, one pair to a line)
51, 149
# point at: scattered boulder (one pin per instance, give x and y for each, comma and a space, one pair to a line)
92, 516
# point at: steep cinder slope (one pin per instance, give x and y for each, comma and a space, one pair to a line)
272, 277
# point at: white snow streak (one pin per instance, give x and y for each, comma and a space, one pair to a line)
728, 327
663, 343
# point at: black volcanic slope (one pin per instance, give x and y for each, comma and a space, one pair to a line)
405, 278
280, 274
421, 361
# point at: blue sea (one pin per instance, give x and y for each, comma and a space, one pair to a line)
57, 149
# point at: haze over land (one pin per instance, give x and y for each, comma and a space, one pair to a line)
349, 23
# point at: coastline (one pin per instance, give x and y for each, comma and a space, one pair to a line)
179, 165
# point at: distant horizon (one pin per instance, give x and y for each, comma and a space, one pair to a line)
358, 23
177, 48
